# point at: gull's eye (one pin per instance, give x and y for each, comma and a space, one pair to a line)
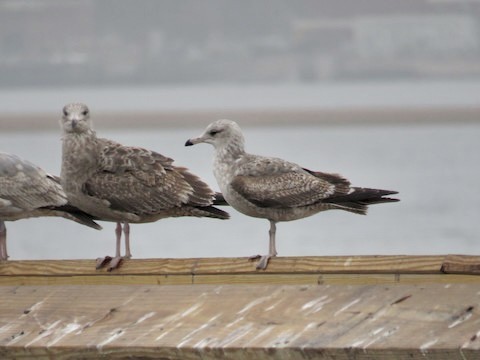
84, 112
65, 113
214, 132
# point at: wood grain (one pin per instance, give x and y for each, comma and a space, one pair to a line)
307, 264
461, 264
427, 321
283, 270
348, 307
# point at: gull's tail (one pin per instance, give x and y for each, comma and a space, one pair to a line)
209, 211
72, 213
358, 199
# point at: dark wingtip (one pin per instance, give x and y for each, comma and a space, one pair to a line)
188, 143
378, 196
96, 226
217, 213
365, 197
219, 200
72, 213
86, 219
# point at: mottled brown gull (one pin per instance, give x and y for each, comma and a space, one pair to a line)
275, 189
126, 184
28, 191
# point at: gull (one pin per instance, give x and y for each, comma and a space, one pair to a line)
28, 191
275, 189
126, 184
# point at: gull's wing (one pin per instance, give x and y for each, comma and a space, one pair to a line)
25, 186
141, 181
272, 182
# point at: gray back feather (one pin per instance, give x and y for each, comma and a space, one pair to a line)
143, 182
26, 186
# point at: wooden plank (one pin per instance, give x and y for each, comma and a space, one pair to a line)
335, 279
97, 280
244, 279
279, 265
290, 270
428, 321
461, 264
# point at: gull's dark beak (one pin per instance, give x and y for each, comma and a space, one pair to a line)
74, 124
189, 143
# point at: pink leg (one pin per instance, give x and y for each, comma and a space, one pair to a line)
113, 262
118, 235
272, 251
3, 241
126, 233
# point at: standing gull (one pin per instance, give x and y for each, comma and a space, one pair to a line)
126, 184
275, 189
28, 191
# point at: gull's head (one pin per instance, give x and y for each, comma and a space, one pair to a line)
220, 133
76, 118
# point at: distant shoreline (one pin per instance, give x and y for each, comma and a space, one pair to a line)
249, 117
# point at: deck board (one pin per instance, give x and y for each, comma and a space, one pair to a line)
306, 264
241, 321
282, 270
349, 307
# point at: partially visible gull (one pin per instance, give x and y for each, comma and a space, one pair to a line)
28, 191
126, 184
275, 189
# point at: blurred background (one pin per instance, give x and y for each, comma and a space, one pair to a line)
384, 92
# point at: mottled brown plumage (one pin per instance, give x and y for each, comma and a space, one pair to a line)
126, 184
28, 191
275, 189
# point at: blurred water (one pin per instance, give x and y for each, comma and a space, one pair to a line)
434, 167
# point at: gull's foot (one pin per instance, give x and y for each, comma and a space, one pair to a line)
115, 263
263, 262
254, 257
101, 262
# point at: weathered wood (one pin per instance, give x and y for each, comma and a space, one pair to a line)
461, 264
306, 264
361, 307
282, 270
243, 279
428, 321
